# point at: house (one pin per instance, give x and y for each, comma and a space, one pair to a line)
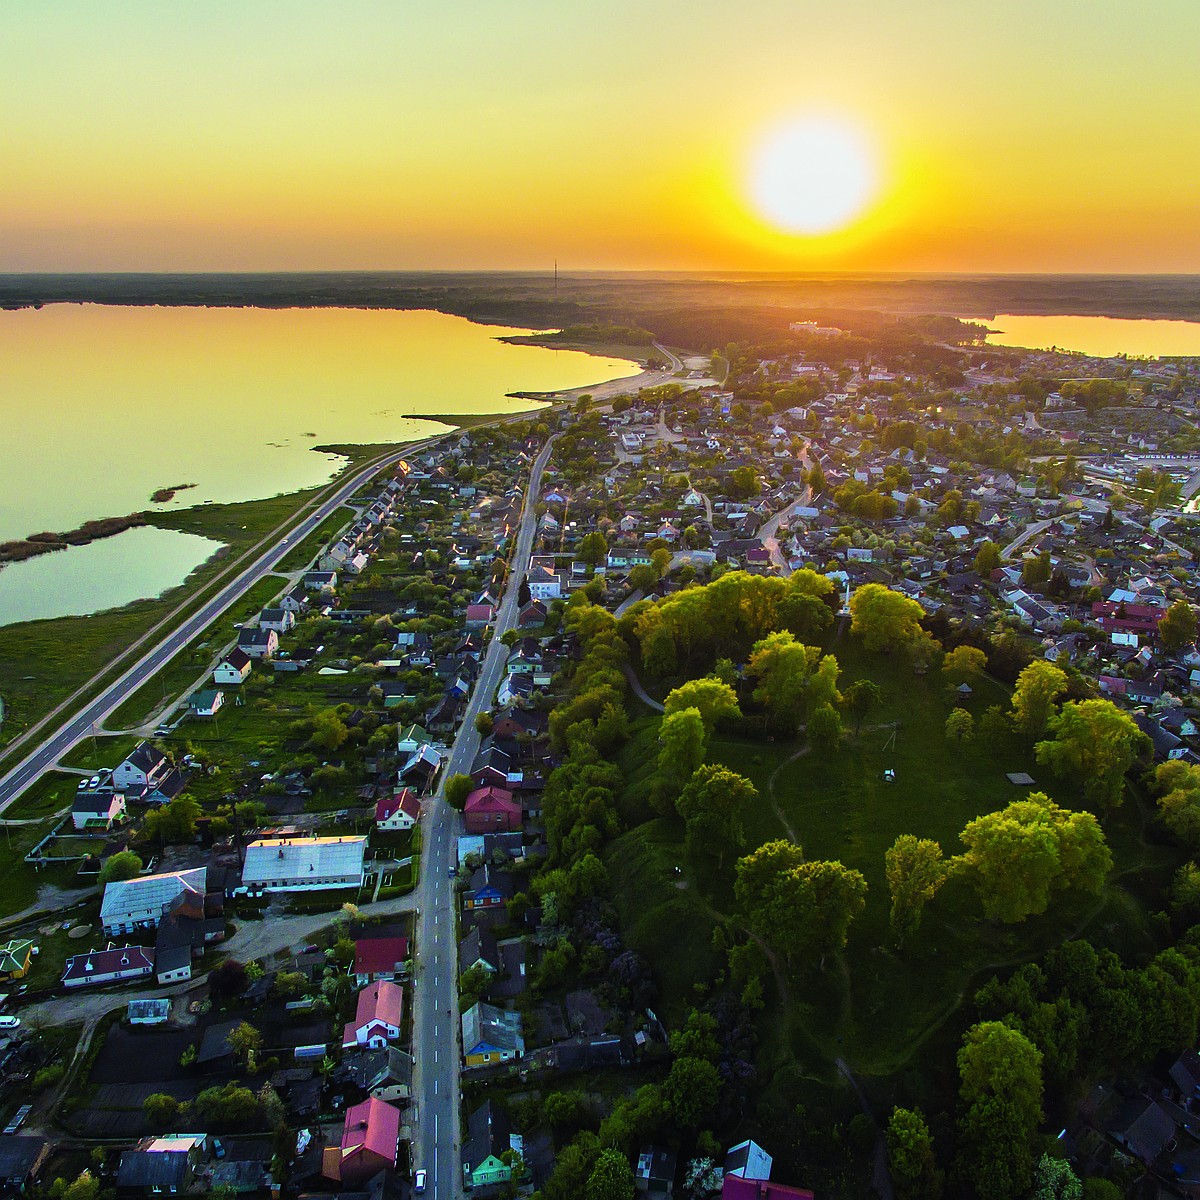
259, 643
377, 1017
488, 809
488, 1137
411, 738
370, 1144
749, 1160
148, 1012
543, 584
22, 1156
279, 619
399, 811
205, 703
1143, 1127
143, 768
173, 964
533, 613
478, 949
142, 902
479, 616
489, 888
162, 1166
233, 668
296, 601
422, 768
379, 958
386, 1074
655, 1171
737, 1188
303, 864
490, 1035
97, 808
107, 966
16, 957
320, 581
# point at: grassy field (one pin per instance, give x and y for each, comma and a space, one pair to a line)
875, 1007
106, 752
184, 669
51, 793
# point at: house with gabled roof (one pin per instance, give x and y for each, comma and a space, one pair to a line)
233, 669
490, 809
377, 1016
488, 1137
145, 766
111, 965
379, 958
142, 902
490, 1035
370, 1143
399, 811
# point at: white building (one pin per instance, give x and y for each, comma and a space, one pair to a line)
141, 903
304, 864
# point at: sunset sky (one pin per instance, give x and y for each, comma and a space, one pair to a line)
1038, 135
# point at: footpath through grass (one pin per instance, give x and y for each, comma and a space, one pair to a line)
876, 1006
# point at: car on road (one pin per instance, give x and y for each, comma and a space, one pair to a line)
9, 1022
453, 871
419, 1181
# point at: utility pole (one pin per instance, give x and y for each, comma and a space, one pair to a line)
556, 279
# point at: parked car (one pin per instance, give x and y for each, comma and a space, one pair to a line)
9, 1022
419, 1181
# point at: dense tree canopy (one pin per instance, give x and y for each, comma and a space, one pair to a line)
1094, 744
1025, 853
1039, 686
884, 619
713, 699
915, 872
711, 805
122, 865
1178, 626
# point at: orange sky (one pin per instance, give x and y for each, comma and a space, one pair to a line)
259, 134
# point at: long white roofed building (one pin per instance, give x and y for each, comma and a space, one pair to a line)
299, 864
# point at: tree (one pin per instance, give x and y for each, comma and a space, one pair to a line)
573, 1167
963, 664
611, 1177
683, 741
792, 678
1178, 626
1036, 570
161, 1110
121, 866
711, 805
457, 789
825, 728
1094, 744
1001, 1107
85, 1186
715, 701
744, 483
245, 1041
915, 871
1025, 853
915, 1172
289, 984
592, 548
1053, 1179
884, 619
483, 723
987, 559
227, 979
860, 698
229, 1107
1039, 685
329, 731
692, 1090
1178, 787
960, 725
796, 906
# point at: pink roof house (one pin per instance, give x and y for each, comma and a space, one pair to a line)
377, 1020
379, 958
401, 810
491, 809
370, 1141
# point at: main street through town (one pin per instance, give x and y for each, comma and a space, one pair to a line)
435, 1012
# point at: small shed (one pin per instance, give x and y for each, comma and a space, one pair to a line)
148, 1012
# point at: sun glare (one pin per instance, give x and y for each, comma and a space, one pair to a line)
812, 175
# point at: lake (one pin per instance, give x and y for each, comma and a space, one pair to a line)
101, 405
1102, 337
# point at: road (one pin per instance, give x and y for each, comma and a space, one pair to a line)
435, 1011
1030, 531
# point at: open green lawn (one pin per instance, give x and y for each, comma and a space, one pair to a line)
19, 882
876, 1007
92, 754
49, 794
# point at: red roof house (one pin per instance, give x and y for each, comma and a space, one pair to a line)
370, 1142
479, 615
491, 809
401, 810
737, 1188
379, 958
377, 1019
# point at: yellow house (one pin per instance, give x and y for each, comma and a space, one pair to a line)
15, 959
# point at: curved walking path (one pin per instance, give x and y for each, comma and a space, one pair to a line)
640, 692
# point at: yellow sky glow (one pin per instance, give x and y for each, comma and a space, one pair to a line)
251, 134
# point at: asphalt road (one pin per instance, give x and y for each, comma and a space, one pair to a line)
435, 1012
94, 713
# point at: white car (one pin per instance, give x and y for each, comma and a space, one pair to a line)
419, 1181
9, 1022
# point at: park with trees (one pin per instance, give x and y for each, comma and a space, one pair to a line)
819, 833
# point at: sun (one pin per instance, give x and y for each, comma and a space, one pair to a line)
813, 175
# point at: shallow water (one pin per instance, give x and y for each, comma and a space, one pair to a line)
1102, 337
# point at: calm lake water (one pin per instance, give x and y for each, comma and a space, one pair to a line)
85, 579
100, 405
1103, 337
